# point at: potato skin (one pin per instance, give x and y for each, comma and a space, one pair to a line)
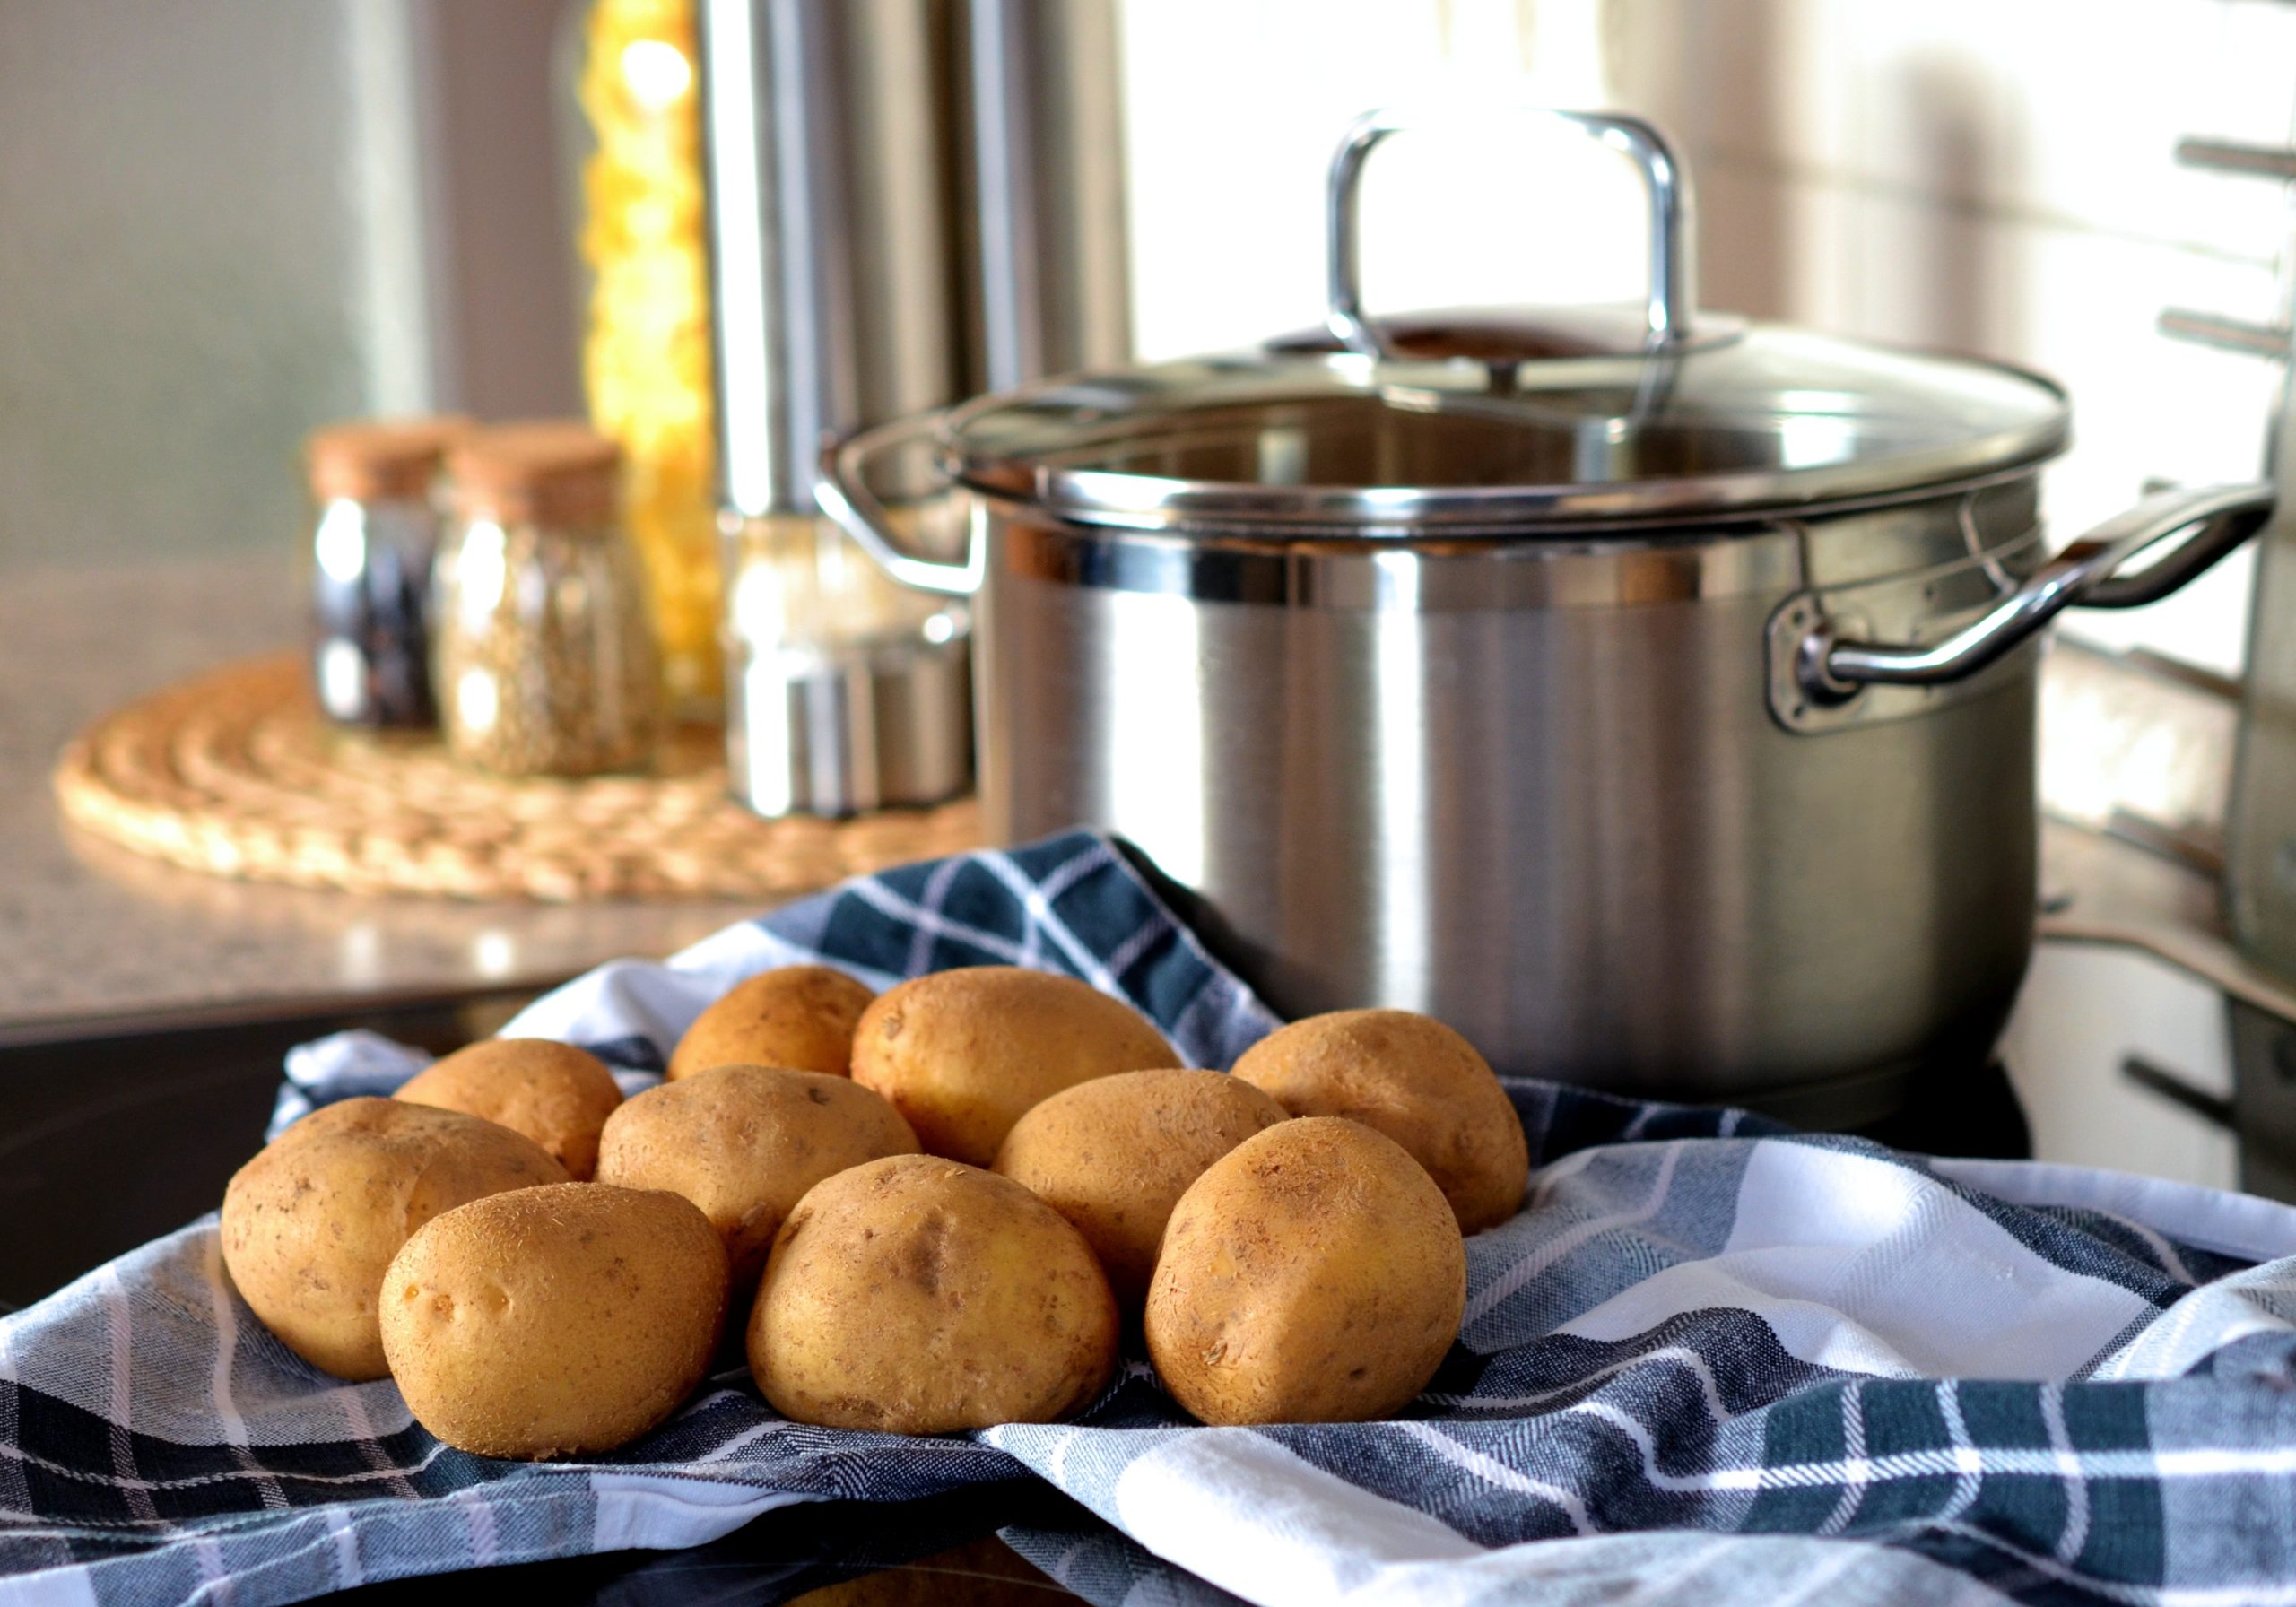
312, 1223
554, 1093
559, 1321
1414, 1080
963, 1053
1115, 1155
798, 1017
1314, 1274
744, 1143
913, 1295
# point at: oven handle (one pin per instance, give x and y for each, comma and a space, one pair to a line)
2212, 520
841, 491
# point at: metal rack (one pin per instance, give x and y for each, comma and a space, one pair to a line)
2218, 330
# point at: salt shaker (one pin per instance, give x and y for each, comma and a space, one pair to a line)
844, 691
546, 659
374, 539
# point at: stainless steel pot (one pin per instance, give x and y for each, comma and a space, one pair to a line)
1651, 697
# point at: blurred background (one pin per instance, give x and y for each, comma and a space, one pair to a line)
224, 223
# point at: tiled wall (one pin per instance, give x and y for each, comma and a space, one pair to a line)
1992, 175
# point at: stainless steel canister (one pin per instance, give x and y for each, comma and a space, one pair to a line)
909, 199
1650, 695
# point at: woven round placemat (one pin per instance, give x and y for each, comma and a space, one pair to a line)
236, 773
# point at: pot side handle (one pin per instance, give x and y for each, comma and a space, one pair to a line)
2211, 520
841, 491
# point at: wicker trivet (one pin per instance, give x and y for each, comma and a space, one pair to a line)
235, 773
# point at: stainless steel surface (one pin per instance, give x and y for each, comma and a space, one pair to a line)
830, 161
1301, 444
1831, 667
2224, 333
838, 729
1536, 757
907, 197
1571, 830
1050, 286
846, 494
1672, 303
832, 154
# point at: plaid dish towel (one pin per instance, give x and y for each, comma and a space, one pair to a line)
1711, 1359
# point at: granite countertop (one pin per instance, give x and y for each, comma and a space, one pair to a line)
92, 937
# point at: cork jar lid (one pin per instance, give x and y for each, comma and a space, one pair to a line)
552, 471
380, 460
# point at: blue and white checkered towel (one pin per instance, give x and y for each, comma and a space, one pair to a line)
1711, 1361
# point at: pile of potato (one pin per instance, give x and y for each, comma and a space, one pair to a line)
941, 1209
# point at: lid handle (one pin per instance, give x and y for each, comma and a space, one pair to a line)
1673, 293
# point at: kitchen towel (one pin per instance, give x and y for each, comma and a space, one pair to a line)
1711, 1359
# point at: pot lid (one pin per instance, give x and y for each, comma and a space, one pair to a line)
1487, 422
1747, 420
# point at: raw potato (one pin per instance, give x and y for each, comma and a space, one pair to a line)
963, 1053
312, 1223
1115, 1155
1314, 1274
554, 1093
745, 1143
917, 1296
554, 1321
1414, 1080
800, 1017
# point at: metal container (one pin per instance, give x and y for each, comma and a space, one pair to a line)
909, 199
374, 485
1048, 287
1650, 696
832, 174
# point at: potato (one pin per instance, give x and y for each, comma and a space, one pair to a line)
799, 1018
1414, 1080
1113, 1155
554, 1093
962, 1054
312, 1221
917, 1296
554, 1321
1314, 1274
745, 1143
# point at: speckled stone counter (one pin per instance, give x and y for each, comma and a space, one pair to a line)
91, 935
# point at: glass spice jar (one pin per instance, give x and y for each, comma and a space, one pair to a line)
373, 485
546, 659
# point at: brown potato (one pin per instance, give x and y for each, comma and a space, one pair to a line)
554, 1321
962, 1054
917, 1296
799, 1018
554, 1093
312, 1221
1314, 1274
1115, 1155
1414, 1080
745, 1143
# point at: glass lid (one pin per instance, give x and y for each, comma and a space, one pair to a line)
1488, 424
1765, 418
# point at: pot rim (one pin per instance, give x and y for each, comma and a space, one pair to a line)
1172, 408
